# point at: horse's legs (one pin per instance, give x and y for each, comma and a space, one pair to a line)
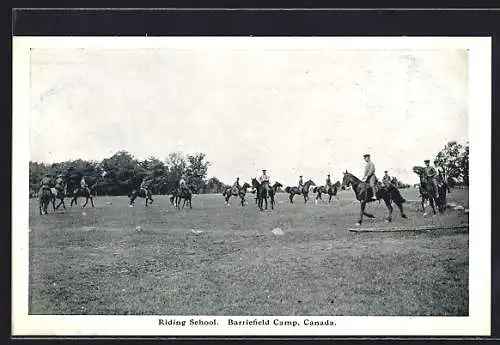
291, 198
431, 201
389, 207
400, 206
362, 211
330, 198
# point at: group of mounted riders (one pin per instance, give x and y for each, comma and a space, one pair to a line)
368, 189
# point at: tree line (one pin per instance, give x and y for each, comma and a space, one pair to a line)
122, 173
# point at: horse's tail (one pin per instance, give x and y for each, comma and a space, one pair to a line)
396, 195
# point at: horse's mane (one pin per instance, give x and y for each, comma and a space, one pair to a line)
352, 175
418, 170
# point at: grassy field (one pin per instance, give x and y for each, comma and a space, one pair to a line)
216, 260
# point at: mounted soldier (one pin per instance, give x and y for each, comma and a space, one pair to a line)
328, 183
386, 180
45, 183
301, 183
183, 184
145, 184
236, 186
60, 185
264, 180
431, 175
369, 177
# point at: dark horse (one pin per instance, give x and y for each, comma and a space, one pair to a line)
87, 193
229, 192
181, 194
428, 192
296, 190
332, 191
141, 193
273, 191
263, 193
45, 197
58, 194
365, 195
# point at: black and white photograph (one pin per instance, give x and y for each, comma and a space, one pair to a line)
251, 185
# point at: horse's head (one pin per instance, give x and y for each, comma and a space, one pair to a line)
315, 189
310, 183
418, 170
336, 184
245, 186
346, 180
277, 185
255, 183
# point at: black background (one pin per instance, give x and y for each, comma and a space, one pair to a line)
274, 22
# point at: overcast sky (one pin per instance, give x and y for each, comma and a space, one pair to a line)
292, 112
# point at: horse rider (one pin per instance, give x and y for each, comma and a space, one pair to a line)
386, 180
328, 184
60, 184
236, 186
264, 179
45, 183
431, 175
83, 184
145, 185
301, 183
183, 184
369, 177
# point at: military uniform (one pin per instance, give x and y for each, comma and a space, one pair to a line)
328, 183
60, 184
369, 177
264, 180
431, 175
144, 186
45, 183
236, 186
182, 184
386, 180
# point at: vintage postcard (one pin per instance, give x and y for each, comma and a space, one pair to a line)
251, 186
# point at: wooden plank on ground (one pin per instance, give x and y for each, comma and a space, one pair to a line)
407, 228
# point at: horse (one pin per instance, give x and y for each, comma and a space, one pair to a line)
58, 194
142, 193
261, 193
428, 192
229, 191
304, 191
87, 193
272, 193
181, 193
45, 197
364, 195
332, 191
